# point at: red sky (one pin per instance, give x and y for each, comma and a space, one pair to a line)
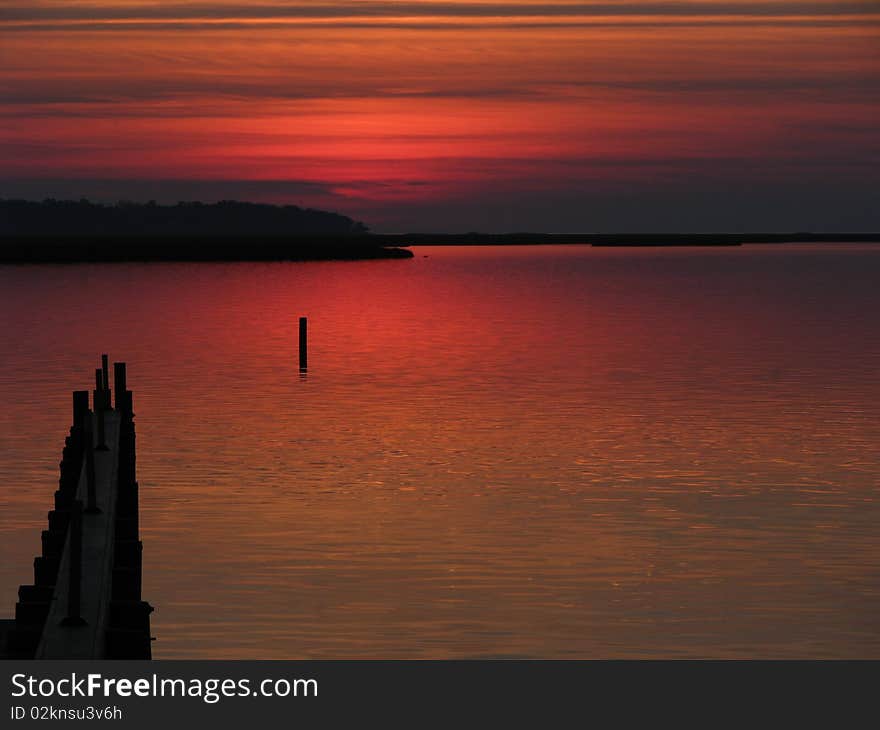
569, 116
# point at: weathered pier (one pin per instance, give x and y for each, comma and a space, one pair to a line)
85, 601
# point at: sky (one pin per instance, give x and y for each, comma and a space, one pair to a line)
611, 116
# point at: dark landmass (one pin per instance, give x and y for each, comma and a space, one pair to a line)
73, 231
226, 218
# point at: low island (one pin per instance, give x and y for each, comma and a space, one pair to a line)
71, 231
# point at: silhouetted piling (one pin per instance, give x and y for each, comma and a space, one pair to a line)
105, 374
303, 343
101, 395
80, 411
100, 404
119, 384
92, 493
74, 593
102, 441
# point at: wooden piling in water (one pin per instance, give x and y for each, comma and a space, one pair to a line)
80, 410
100, 405
99, 388
105, 374
101, 395
101, 445
303, 343
119, 384
91, 486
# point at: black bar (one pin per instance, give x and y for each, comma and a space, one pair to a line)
490, 694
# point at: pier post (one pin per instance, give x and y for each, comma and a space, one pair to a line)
100, 399
119, 384
91, 490
303, 343
98, 395
74, 617
80, 410
105, 374
102, 442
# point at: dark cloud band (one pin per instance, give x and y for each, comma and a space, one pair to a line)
369, 9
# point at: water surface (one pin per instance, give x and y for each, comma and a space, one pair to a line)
496, 452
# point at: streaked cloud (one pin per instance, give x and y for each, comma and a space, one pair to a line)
388, 111
429, 14
428, 8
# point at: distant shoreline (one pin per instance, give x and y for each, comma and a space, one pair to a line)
616, 239
95, 249
20, 249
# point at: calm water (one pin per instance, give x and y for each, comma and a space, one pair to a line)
541, 452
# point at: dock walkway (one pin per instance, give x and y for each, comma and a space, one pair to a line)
85, 602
